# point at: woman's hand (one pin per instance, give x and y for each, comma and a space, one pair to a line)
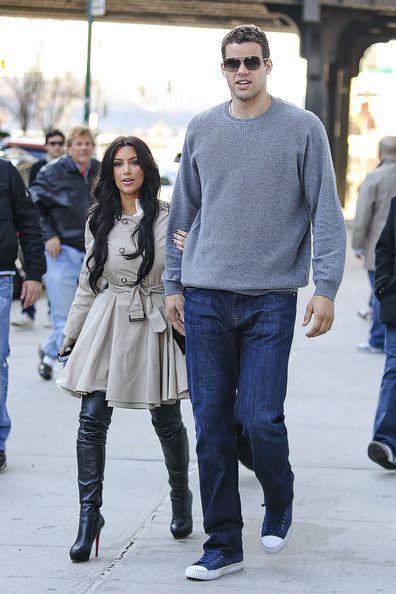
68, 342
179, 239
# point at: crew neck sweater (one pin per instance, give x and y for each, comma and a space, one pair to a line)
251, 193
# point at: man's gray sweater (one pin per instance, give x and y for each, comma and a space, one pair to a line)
250, 193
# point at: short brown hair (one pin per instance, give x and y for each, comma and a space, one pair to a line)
79, 131
244, 33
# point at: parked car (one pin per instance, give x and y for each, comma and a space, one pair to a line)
21, 159
168, 177
31, 145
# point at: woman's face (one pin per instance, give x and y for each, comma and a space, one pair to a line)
128, 175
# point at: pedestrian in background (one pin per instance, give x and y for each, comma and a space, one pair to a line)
255, 177
124, 351
382, 449
61, 193
17, 215
372, 210
54, 145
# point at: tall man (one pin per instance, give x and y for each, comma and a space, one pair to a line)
372, 209
255, 176
62, 193
17, 215
54, 146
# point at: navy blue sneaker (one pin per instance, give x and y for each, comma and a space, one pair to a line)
276, 529
213, 565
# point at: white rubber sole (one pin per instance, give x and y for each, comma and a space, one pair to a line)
196, 572
279, 547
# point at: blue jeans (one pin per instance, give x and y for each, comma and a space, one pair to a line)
61, 281
377, 330
385, 417
237, 350
6, 287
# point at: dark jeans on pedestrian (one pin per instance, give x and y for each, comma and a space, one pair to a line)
6, 285
237, 351
385, 418
377, 330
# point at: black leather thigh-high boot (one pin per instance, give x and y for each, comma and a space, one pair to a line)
95, 417
169, 427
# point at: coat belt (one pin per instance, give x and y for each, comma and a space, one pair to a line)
139, 312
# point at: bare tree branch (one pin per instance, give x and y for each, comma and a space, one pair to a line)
56, 100
44, 102
25, 93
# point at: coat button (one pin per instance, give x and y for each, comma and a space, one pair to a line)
124, 221
124, 280
122, 250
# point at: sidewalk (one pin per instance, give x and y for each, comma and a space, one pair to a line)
344, 531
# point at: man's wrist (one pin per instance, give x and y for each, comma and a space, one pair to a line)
324, 296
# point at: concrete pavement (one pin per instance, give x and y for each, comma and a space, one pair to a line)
344, 531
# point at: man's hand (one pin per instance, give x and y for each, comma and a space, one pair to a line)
30, 293
53, 246
322, 308
175, 311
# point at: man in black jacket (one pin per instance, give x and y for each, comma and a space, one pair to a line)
383, 447
61, 193
17, 215
54, 145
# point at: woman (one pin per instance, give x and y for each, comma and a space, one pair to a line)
124, 353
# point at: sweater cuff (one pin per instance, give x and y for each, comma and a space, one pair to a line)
35, 273
173, 288
326, 289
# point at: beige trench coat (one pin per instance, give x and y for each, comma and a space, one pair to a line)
372, 209
125, 345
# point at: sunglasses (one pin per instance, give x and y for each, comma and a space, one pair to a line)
250, 63
56, 142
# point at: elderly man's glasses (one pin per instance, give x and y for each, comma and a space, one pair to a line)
250, 63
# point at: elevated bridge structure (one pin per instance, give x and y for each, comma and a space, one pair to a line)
334, 36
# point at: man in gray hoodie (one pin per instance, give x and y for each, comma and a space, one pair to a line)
255, 180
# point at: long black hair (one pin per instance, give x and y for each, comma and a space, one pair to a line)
107, 209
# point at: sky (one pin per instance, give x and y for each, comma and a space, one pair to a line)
126, 57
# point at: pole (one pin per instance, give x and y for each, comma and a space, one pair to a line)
87, 99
